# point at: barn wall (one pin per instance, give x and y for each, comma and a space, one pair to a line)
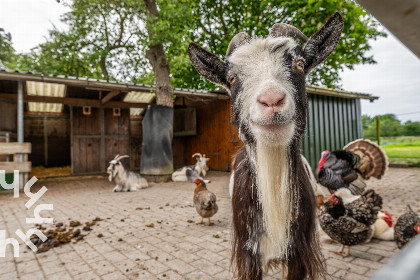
136, 140
51, 133
97, 138
8, 116
216, 137
332, 123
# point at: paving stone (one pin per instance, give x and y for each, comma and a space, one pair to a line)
180, 266
174, 247
9, 275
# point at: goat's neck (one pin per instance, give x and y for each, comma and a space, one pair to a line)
198, 168
272, 171
120, 174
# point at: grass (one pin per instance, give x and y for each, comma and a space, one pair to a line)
402, 150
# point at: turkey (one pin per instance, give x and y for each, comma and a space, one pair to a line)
348, 168
350, 224
406, 227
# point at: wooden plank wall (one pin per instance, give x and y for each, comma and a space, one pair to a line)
8, 116
216, 137
117, 139
92, 143
51, 132
136, 139
86, 141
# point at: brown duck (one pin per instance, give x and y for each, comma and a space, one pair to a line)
204, 201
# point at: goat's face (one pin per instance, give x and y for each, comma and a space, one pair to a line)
265, 97
112, 169
202, 163
265, 78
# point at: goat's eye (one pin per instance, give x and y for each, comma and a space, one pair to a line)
232, 80
300, 65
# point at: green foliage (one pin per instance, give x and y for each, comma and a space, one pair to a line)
109, 39
61, 55
217, 21
411, 128
389, 126
6, 48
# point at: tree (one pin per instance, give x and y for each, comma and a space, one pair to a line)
411, 128
217, 21
62, 54
6, 49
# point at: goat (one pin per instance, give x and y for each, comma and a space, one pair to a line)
273, 202
124, 179
189, 173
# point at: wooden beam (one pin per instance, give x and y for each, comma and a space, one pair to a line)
73, 101
14, 148
25, 166
110, 95
45, 141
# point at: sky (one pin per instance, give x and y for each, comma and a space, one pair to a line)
395, 79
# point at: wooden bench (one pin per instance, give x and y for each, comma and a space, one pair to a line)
14, 149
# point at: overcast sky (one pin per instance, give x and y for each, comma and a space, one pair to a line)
395, 78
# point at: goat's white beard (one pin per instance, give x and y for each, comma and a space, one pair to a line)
275, 198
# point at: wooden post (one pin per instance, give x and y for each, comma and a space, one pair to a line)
378, 130
71, 140
45, 141
102, 147
20, 137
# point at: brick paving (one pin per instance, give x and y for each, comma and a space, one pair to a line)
174, 248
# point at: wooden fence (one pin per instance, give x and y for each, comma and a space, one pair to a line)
13, 151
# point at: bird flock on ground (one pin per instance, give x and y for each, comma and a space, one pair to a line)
353, 214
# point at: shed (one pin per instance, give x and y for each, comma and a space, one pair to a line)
334, 119
74, 121
84, 123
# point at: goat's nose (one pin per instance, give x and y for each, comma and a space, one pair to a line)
274, 100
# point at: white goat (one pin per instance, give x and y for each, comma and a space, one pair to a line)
189, 173
273, 202
124, 179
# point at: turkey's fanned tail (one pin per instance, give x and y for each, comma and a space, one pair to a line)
373, 159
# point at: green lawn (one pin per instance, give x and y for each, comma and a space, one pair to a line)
403, 152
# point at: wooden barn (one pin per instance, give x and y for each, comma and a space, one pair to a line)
84, 123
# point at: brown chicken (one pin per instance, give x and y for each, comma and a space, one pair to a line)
204, 201
407, 227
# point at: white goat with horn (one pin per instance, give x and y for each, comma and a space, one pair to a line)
124, 179
189, 173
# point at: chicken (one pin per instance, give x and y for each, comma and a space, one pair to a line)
350, 224
406, 227
347, 168
204, 201
383, 228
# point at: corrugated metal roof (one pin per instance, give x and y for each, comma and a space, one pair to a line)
45, 89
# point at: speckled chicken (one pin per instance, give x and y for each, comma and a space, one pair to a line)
348, 168
204, 201
406, 227
350, 224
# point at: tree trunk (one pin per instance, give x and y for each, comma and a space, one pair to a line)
159, 62
157, 58
102, 64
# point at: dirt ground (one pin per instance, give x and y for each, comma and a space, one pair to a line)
151, 234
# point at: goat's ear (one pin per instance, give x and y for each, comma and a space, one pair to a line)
208, 64
321, 44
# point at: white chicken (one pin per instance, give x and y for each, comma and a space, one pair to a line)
383, 226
